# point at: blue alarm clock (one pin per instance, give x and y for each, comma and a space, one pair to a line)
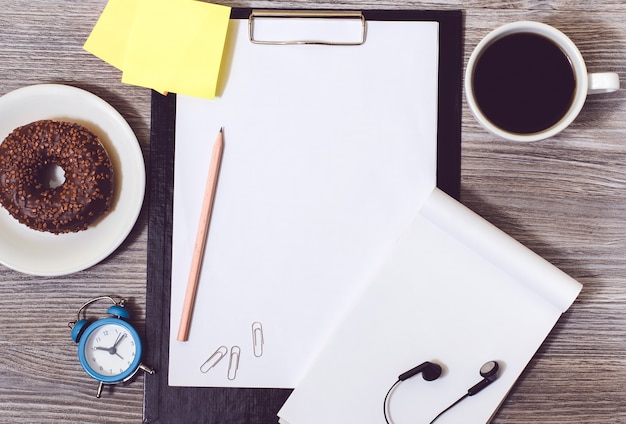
109, 349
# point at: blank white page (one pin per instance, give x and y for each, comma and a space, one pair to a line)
329, 151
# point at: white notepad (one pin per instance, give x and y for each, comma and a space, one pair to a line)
455, 290
329, 151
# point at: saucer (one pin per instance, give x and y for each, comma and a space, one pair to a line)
46, 254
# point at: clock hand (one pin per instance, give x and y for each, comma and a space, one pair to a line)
111, 350
119, 340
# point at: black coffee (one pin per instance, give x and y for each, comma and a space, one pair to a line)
524, 83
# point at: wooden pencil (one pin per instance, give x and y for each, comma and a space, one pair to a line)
201, 238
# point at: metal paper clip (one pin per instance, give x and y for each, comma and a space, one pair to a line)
233, 362
217, 356
347, 16
257, 339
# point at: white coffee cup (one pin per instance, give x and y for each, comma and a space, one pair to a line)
583, 83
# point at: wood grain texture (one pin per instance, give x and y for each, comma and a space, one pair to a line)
564, 198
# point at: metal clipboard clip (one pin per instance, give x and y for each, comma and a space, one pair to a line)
354, 27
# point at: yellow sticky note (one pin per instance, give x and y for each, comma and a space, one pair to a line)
109, 37
176, 45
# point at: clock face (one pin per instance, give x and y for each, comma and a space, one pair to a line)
110, 350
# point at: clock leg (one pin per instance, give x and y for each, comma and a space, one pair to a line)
146, 369
99, 392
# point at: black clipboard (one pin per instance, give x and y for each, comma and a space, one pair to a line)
165, 404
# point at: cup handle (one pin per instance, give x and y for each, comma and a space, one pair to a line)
603, 82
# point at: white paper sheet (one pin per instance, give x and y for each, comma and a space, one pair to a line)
329, 151
443, 298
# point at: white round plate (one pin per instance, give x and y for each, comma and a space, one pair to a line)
39, 253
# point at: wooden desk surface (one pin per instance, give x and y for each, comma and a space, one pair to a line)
565, 198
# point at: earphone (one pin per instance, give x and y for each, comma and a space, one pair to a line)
431, 371
489, 373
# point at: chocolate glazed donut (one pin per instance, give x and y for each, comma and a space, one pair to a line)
27, 156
